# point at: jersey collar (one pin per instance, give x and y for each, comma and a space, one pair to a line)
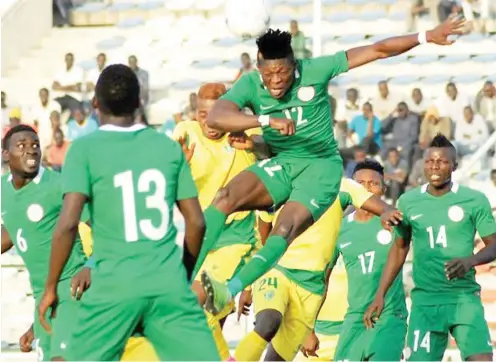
36, 180
113, 128
351, 217
454, 187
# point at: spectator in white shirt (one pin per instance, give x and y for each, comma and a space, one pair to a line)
68, 84
143, 80
490, 190
477, 13
452, 104
470, 133
485, 104
94, 74
417, 103
345, 111
384, 103
41, 116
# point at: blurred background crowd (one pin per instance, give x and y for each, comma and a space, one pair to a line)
389, 110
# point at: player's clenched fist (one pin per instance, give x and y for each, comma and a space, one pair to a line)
284, 126
26, 340
311, 346
373, 312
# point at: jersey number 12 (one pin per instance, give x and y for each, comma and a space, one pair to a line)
156, 201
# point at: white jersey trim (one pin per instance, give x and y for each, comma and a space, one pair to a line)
114, 128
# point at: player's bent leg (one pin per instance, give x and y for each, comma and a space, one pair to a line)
174, 322
470, 330
272, 355
388, 331
351, 341
139, 349
427, 336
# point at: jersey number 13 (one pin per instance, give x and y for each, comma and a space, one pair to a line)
148, 180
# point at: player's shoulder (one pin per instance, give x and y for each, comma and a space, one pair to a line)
467, 193
412, 194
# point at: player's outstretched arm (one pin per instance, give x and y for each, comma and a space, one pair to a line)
389, 215
400, 44
226, 116
396, 259
194, 231
6, 240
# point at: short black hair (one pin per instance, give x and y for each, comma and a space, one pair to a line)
441, 141
13, 131
358, 148
275, 44
451, 84
118, 91
368, 104
369, 165
45, 90
392, 149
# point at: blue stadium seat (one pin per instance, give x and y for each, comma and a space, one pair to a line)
207, 63
297, 2
357, 2
340, 16
386, 2
454, 59
343, 80
280, 19
403, 80
350, 39
485, 58
371, 79
379, 37
423, 59
91, 7
227, 42
401, 15
437, 79
373, 15
111, 43
187, 84
393, 60
150, 5
232, 64
87, 64
120, 6
492, 78
472, 38
467, 78
130, 23
331, 2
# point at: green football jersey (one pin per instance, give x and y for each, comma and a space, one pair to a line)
132, 178
364, 247
443, 228
307, 103
30, 214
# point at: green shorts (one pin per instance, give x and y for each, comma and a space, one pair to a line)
55, 344
238, 232
173, 323
429, 329
384, 342
312, 182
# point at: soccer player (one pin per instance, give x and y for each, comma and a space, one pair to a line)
288, 297
131, 176
291, 103
321, 344
440, 220
214, 161
364, 246
31, 203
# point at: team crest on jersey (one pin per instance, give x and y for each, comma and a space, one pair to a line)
35, 212
384, 237
269, 295
306, 94
455, 213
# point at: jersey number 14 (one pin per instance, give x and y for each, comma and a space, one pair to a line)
439, 239
148, 180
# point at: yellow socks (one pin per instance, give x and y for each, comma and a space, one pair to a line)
220, 341
250, 348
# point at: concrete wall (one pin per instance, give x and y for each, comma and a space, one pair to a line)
24, 24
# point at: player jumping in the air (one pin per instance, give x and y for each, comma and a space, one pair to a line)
364, 246
131, 176
440, 220
214, 160
291, 103
31, 203
287, 299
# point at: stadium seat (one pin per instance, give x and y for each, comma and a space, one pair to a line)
471, 83
179, 6
110, 43
208, 5
130, 23
281, 21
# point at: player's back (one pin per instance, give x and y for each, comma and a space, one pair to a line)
134, 178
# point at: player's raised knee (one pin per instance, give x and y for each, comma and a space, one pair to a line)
225, 201
267, 323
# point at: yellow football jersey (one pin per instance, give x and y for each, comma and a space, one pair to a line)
313, 250
214, 162
336, 302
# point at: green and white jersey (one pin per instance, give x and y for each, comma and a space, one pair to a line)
364, 247
30, 214
443, 228
132, 177
307, 103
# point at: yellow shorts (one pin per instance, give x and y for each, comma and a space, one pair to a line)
139, 349
222, 263
298, 306
327, 348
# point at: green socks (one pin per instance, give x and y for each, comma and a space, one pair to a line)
215, 221
260, 264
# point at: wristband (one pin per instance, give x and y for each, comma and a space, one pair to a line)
422, 37
264, 120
